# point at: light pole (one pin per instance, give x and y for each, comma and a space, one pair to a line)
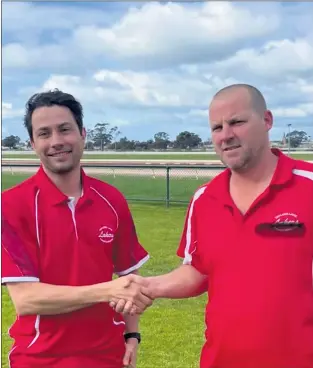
289, 125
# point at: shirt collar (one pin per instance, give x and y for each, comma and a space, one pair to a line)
52, 192
284, 169
219, 187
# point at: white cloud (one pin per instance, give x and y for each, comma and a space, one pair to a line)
199, 113
204, 33
174, 33
305, 86
71, 83
9, 112
289, 112
35, 18
299, 111
140, 89
274, 59
15, 55
159, 63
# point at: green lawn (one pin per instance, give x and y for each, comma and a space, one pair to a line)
152, 157
142, 188
172, 329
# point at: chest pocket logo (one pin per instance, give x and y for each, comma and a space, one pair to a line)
283, 223
286, 222
106, 234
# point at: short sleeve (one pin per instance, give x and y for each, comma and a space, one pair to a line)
128, 255
188, 246
17, 264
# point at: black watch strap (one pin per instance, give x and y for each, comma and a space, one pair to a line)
135, 335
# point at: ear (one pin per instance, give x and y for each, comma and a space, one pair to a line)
32, 144
84, 133
268, 119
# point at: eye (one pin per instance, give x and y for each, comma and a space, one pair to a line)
237, 122
42, 134
65, 129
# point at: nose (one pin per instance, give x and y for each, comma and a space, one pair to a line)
227, 133
56, 140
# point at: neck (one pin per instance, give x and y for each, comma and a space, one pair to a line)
261, 172
68, 183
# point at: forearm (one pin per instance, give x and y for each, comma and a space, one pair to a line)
46, 299
131, 323
184, 282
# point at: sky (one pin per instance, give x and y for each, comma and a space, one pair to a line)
151, 67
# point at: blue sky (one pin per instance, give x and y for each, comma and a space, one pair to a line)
150, 67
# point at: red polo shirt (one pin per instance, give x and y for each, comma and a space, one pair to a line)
259, 267
61, 244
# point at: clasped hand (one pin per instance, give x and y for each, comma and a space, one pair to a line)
130, 295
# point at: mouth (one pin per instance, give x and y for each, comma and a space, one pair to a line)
232, 148
59, 154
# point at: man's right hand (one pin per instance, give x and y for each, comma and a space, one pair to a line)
129, 290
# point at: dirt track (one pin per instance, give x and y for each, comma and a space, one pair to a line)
101, 162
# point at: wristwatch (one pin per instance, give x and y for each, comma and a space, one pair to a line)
130, 335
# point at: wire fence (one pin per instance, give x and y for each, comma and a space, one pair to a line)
149, 183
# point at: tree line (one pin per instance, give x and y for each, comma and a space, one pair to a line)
103, 136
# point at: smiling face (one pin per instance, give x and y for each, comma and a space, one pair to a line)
239, 129
56, 139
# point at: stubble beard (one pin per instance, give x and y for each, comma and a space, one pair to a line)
241, 164
63, 168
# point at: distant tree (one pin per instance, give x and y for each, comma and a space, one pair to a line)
187, 140
207, 142
125, 144
297, 137
150, 144
115, 133
161, 140
11, 141
144, 145
89, 139
103, 134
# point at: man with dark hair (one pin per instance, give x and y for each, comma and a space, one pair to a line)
64, 235
248, 241
53, 98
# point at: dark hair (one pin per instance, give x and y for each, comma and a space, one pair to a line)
51, 98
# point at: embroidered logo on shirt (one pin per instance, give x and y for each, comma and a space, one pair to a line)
106, 234
286, 222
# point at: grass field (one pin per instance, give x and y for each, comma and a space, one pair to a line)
142, 188
172, 329
152, 157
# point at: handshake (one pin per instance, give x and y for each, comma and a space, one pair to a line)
131, 294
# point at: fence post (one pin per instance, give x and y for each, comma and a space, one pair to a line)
167, 186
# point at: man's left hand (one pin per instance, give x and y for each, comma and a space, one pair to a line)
130, 356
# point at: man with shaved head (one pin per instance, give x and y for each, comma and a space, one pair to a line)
248, 242
230, 109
